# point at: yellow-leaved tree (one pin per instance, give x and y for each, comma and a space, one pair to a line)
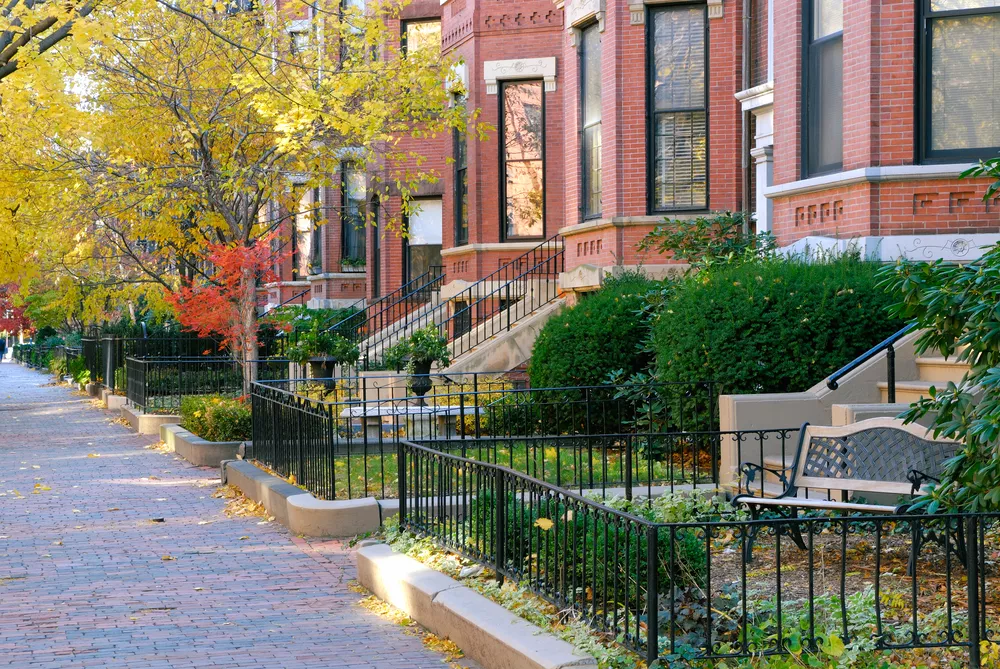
179, 122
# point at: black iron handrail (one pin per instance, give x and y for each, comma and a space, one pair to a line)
392, 308
483, 303
414, 291
887, 345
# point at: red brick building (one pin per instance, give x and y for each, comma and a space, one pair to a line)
866, 115
833, 123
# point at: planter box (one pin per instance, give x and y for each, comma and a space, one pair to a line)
147, 423
196, 450
353, 269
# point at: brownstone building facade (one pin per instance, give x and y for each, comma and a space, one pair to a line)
834, 124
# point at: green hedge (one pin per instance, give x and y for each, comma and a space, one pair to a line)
217, 418
602, 334
773, 326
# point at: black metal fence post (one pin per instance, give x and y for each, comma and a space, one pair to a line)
401, 473
972, 569
628, 467
652, 596
500, 523
890, 363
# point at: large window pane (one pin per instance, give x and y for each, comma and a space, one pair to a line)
828, 18
680, 119
679, 170
965, 82
679, 58
424, 237
355, 213
304, 236
422, 36
590, 75
524, 137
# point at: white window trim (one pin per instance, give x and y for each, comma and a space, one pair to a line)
495, 71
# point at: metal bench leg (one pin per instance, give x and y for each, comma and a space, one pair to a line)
751, 536
795, 532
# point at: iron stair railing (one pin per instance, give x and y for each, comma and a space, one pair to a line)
531, 280
390, 308
887, 345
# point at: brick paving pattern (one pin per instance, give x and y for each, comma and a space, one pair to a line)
84, 582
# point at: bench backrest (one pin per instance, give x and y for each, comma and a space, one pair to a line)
874, 455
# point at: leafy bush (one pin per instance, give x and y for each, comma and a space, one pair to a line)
57, 366
604, 333
217, 418
955, 305
78, 370
315, 343
707, 242
771, 326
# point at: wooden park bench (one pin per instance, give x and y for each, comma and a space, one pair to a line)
879, 456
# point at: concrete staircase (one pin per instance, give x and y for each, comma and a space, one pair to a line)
931, 372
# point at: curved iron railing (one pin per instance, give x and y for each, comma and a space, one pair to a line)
887, 345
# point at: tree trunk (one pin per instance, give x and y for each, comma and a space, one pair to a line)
248, 327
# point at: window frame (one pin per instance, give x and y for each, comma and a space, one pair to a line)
501, 93
924, 154
406, 23
808, 129
651, 111
585, 166
407, 261
461, 190
344, 168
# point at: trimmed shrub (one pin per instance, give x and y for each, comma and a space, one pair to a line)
771, 326
217, 418
605, 333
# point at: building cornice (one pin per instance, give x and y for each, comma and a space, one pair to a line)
494, 246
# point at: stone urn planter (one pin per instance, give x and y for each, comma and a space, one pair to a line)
420, 380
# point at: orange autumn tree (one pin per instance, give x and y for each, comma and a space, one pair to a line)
214, 307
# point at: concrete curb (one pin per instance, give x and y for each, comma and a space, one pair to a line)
297, 509
196, 450
147, 423
485, 631
114, 402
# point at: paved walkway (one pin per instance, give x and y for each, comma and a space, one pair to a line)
88, 579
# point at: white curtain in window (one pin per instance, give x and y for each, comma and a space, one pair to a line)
425, 224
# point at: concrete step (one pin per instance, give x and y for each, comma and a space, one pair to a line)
941, 369
845, 414
908, 392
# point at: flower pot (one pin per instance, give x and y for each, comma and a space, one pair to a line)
420, 380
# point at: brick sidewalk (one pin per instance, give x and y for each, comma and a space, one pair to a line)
83, 582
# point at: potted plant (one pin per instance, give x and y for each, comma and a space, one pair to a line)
352, 264
416, 354
323, 349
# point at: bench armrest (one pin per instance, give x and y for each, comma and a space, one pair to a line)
918, 478
750, 471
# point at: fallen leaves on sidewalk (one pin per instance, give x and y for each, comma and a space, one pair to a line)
386, 611
239, 506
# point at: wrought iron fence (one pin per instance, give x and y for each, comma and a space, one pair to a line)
333, 434
157, 385
680, 592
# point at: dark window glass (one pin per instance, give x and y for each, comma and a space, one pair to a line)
962, 65
354, 214
590, 75
422, 36
680, 117
824, 88
461, 189
523, 159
